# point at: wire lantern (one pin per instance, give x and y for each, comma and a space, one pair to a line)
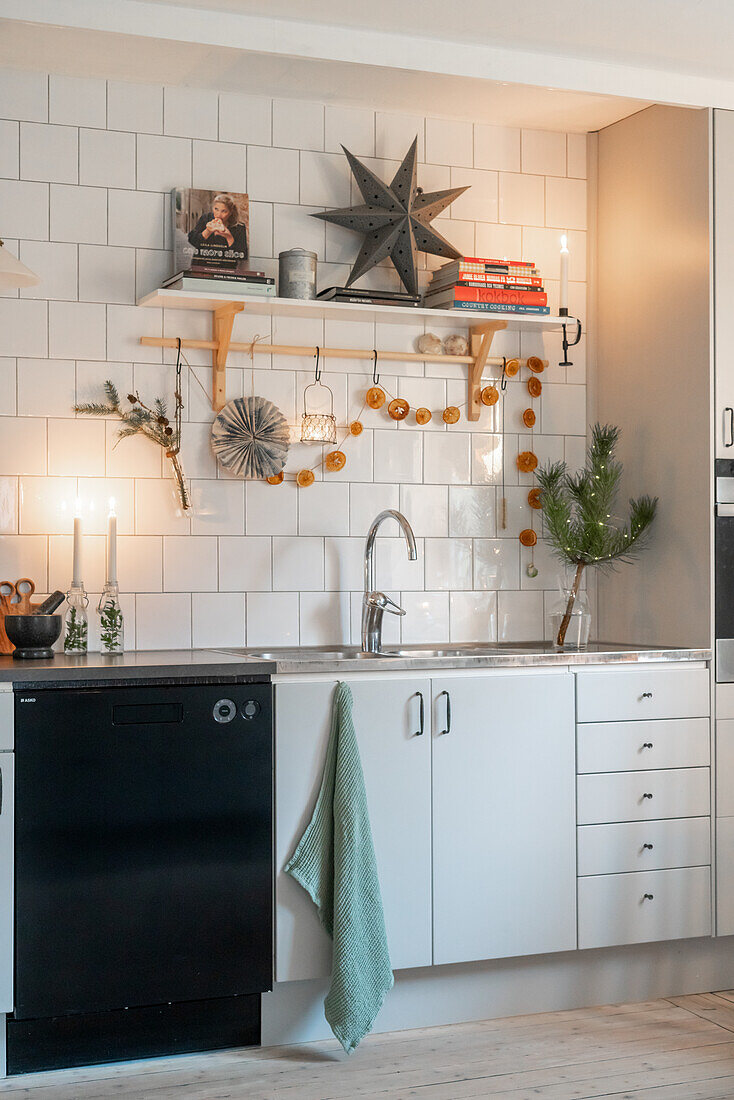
318, 427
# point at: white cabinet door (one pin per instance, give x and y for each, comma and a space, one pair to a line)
6, 881
396, 760
504, 850
724, 280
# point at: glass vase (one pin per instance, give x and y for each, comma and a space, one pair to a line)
112, 624
569, 616
76, 624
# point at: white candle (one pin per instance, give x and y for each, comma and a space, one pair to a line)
77, 562
563, 295
112, 544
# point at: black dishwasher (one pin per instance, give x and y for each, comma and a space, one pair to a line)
143, 871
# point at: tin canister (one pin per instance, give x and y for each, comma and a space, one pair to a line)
297, 274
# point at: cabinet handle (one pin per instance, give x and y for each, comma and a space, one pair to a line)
421, 714
648, 897
646, 695
647, 796
448, 712
1, 790
647, 744
730, 411
648, 846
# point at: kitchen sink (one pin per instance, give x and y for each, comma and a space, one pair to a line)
331, 654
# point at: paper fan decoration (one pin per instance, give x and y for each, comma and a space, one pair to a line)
251, 437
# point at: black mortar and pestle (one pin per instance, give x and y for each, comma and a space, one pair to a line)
34, 635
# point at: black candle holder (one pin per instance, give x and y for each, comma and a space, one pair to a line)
566, 362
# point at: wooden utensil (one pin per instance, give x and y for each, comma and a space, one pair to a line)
25, 588
7, 592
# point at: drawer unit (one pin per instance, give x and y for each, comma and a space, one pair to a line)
623, 696
644, 845
642, 796
630, 746
643, 907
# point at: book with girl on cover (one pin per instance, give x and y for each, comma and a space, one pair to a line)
211, 232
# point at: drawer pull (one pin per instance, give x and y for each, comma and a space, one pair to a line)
647, 897
648, 846
647, 744
647, 795
421, 715
646, 695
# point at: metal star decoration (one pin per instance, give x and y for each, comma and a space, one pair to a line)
395, 219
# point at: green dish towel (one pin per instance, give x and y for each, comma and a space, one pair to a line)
335, 862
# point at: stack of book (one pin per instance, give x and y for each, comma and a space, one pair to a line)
488, 286
220, 282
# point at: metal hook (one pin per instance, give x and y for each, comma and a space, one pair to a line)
375, 375
566, 362
317, 371
178, 353
503, 380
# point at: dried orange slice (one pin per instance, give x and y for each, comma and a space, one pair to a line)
335, 460
451, 414
534, 498
305, 478
528, 418
528, 537
512, 366
356, 427
536, 365
398, 408
490, 395
527, 462
535, 387
422, 416
375, 397
275, 479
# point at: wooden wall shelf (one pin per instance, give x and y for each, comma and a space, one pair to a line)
224, 308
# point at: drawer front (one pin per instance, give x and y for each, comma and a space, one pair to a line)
643, 796
614, 909
7, 706
630, 746
644, 846
623, 696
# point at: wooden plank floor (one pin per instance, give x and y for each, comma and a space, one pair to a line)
681, 1048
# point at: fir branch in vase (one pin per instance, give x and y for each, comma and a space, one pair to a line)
578, 513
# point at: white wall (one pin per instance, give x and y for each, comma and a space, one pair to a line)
85, 168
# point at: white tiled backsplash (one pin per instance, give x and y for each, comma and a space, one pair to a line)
85, 171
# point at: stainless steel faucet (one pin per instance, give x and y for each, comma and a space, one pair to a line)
374, 603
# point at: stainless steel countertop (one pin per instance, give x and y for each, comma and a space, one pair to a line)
241, 665
341, 659
138, 667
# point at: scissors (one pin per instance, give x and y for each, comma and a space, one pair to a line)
16, 598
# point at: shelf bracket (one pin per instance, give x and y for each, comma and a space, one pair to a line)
481, 341
222, 322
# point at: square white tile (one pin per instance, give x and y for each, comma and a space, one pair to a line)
134, 107
8, 505
576, 146
9, 149
395, 133
140, 563
218, 507
76, 330
49, 153
106, 158
496, 564
366, 502
298, 124
218, 619
292, 223
447, 458
56, 266
565, 203
157, 508
344, 564
76, 448
95, 494
163, 621
479, 203
245, 563
472, 511
22, 445
24, 210
325, 618
24, 556
47, 506
496, 148
271, 509
323, 509
125, 326
272, 618
521, 199
133, 456
298, 564
499, 240
544, 152
426, 618
24, 325
46, 387
136, 219
214, 161
272, 174
106, 274
60, 564
190, 112
353, 127
78, 214
449, 142
163, 162
77, 101
245, 118
399, 456
473, 616
448, 563
519, 616
24, 95
325, 179
189, 564
426, 509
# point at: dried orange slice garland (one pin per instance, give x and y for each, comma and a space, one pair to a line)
527, 462
534, 499
512, 366
398, 408
355, 428
422, 416
451, 414
305, 478
535, 387
528, 537
335, 460
490, 395
276, 479
375, 397
536, 365
528, 418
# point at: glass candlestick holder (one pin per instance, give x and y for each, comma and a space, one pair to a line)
76, 624
112, 625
